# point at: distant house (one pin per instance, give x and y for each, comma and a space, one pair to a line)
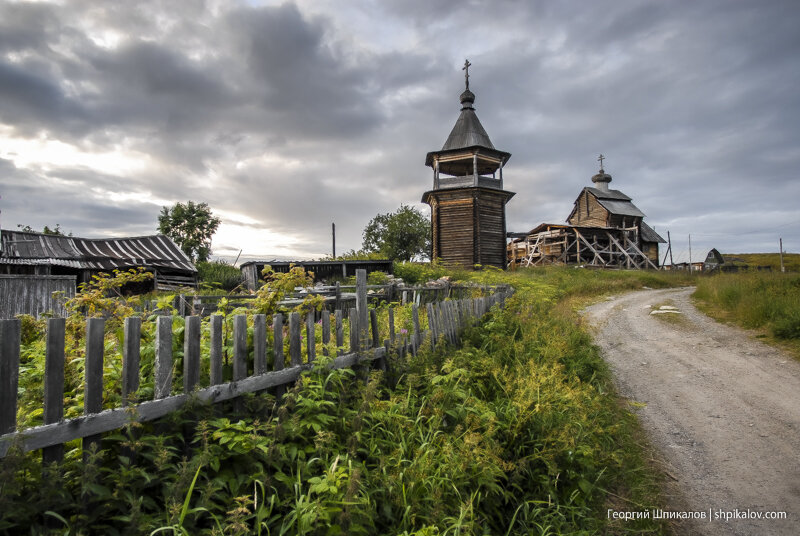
26, 253
604, 229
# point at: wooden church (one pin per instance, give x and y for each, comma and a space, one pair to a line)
468, 216
604, 229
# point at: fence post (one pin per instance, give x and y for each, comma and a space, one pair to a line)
361, 309
239, 347
54, 384
337, 306
130, 359
311, 337
93, 371
294, 340
215, 352
259, 344
191, 353
163, 365
9, 373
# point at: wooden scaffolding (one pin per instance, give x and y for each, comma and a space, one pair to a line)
602, 247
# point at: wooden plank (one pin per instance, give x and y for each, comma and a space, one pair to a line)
98, 423
339, 331
239, 347
311, 337
361, 309
54, 383
191, 353
353, 318
391, 325
215, 350
163, 364
295, 356
277, 327
326, 332
417, 332
432, 325
373, 321
93, 376
259, 344
130, 358
9, 373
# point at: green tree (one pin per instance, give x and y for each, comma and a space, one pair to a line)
191, 226
401, 235
57, 231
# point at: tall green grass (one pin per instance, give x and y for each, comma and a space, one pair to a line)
754, 300
517, 432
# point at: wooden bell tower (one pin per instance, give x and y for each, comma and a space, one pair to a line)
468, 214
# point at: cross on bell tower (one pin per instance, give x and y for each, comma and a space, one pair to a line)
468, 215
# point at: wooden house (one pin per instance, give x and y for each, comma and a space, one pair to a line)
44, 254
468, 218
604, 229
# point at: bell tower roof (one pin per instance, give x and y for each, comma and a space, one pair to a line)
467, 137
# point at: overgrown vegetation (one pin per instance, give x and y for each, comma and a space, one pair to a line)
755, 300
218, 275
791, 261
517, 432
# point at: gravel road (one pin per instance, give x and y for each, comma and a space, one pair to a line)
721, 408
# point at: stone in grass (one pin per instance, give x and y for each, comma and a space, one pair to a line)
665, 311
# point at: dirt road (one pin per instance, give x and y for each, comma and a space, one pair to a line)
721, 408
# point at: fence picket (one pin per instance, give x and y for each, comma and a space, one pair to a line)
362, 314
295, 356
259, 344
311, 337
239, 347
93, 380
130, 358
54, 383
163, 365
191, 353
339, 331
353, 318
277, 349
373, 321
215, 352
9, 373
326, 331
391, 324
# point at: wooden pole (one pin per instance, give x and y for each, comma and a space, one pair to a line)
361, 309
780, 244
93, 371
333, 236
191, 353
259, 344
690, 253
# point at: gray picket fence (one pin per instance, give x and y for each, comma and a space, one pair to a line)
446, 320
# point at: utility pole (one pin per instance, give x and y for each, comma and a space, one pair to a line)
780, 243
690, 253
333, 234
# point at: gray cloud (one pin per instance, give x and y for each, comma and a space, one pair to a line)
299, 114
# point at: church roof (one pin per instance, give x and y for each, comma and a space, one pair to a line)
467, 132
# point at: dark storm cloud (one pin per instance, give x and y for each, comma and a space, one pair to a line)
296, 115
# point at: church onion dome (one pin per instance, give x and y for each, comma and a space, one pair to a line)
467, 99
601, 177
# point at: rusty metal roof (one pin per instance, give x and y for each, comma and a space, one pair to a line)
155, 251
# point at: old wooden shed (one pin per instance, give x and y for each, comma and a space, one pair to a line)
468, 215
28, 253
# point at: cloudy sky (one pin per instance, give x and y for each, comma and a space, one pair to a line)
287, 116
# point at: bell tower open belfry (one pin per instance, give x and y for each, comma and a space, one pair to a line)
468, 203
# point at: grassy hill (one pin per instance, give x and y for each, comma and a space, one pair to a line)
791, 261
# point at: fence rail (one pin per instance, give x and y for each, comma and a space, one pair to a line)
446, 320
